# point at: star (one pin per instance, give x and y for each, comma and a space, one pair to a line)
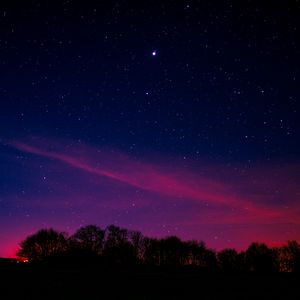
154, 53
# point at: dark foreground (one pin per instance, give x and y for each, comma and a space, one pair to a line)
22, 281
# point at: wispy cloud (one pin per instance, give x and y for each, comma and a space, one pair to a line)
139, 174
179, 183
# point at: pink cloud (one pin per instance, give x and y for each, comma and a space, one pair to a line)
173, 182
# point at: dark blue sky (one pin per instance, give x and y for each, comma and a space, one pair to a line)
222, 90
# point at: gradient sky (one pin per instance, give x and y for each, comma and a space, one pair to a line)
169, 117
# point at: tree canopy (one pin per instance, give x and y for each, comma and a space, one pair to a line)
116, 245
43, 244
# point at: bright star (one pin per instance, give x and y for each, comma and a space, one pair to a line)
154, 53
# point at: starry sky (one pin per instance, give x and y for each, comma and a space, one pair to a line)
169, 117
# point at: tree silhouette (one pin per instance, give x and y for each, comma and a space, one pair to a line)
259, 258
43, 244
138, 243
210, 260
193, 253
198, 255
91, 245
152, 254
289, 257
115, 236
172, 251
228, 260
89, 238
118, 249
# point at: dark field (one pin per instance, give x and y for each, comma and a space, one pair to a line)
25, 282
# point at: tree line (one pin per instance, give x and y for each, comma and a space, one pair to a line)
119, 246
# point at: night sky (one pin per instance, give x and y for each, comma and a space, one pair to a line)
168, 117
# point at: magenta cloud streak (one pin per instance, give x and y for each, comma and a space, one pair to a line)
161, 179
